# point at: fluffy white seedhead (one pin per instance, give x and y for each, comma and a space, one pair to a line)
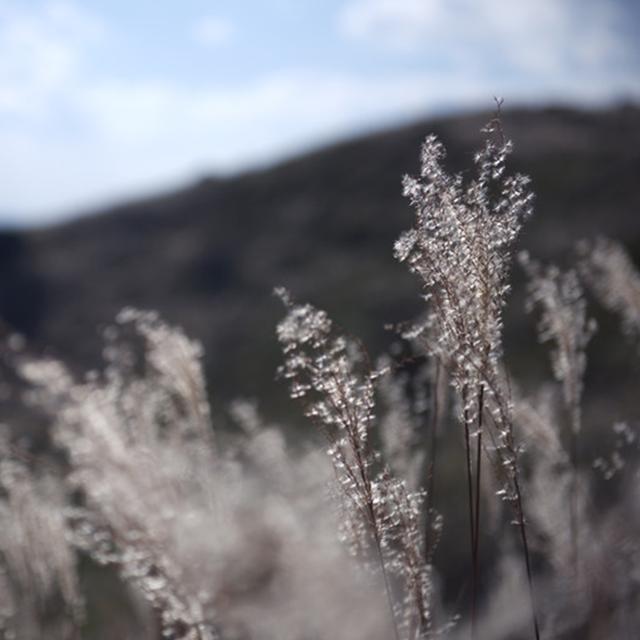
402, 422
624, 447
460, 247
382, 519
564, 323
615, 280
175, 363
37, 564
328, 372
235, 542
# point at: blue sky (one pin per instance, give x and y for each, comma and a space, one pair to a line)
105, 99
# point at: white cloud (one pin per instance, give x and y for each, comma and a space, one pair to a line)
399, 24
539, 36
212, 31
41, 51
146, 136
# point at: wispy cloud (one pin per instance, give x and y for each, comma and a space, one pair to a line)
545, 36
142, 136
213, 31
41, 50
138, 136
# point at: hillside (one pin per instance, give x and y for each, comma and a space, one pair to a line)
208, 256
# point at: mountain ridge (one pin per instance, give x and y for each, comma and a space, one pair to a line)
323, 224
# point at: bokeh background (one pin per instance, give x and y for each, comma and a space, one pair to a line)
189, 156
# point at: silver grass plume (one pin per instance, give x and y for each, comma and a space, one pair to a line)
382, 517
563, 322
401, 423
460, 247
615, 280
231, 543
39, 590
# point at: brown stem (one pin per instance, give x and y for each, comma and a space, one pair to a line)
476, 541
573, 508
472, 534
385, 577
527, 555
433, 455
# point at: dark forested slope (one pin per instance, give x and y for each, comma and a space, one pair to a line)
323, 224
